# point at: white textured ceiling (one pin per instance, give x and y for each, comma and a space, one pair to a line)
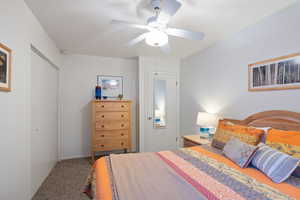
82, 26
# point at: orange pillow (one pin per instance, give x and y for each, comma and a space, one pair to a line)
284, 141
226, 131
287, 142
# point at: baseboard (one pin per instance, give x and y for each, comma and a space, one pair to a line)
74, 157
86, 156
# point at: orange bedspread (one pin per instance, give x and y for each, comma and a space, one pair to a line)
283, 187
103, 185
104, 191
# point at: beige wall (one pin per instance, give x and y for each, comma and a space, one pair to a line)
216, 80
78, 80
19, 29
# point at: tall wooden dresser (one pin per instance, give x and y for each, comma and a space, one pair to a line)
111, 126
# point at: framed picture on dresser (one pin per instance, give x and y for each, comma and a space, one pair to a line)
279, 73
112, 86
5, 68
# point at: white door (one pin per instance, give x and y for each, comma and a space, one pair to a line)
44, 119
161, 106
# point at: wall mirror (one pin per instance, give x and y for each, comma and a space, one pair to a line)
159, 105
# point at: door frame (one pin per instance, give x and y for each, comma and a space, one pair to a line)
143, 112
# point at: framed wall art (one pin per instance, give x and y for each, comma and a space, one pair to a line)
275, 74
112, 86
5, 68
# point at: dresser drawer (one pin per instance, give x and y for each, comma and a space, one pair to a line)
118, 134
111, 125
111, 116
112, 106
107, 145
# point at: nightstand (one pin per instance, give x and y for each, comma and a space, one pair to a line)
194, 140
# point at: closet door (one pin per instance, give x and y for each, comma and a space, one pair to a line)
44, 119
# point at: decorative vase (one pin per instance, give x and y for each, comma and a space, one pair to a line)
98, 92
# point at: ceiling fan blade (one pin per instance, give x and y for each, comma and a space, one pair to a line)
137, 40
128, 24
169, 9
185, 34
166, 48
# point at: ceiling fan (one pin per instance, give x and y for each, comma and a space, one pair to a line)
157, 33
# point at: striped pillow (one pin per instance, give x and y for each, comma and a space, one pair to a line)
276, 165
287, 142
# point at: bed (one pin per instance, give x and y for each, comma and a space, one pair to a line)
196, 173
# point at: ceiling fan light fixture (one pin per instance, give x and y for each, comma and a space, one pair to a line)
157, 38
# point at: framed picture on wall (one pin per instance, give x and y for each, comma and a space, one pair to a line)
5, 68
112, 86
275, 74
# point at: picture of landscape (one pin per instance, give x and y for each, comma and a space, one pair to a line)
112, 86
281, 74
3, 67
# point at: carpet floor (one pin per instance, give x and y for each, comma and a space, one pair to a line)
65, 181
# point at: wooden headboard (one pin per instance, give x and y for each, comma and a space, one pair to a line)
279, 119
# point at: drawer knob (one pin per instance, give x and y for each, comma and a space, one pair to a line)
122, 115
102, 145
122, 143
102, 116
102, 106
102, 135
122, 125
102, 126
122, 134
122, 106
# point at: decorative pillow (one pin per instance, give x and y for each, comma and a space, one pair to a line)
264, 136
239, 152
276, 165
226, 131
296, 173
287, 142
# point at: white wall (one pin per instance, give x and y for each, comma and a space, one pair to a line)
78, 81
215, 80
149, 65
19, 29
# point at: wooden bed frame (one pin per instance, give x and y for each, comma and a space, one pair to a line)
279, 119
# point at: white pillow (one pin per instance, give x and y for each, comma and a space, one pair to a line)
265, 129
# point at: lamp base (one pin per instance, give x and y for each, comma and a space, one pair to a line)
207, 133
204, 133
204, 130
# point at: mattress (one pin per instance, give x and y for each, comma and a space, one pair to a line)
200, 172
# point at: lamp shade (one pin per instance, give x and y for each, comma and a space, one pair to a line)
207, 120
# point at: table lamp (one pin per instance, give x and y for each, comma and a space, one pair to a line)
207, 123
